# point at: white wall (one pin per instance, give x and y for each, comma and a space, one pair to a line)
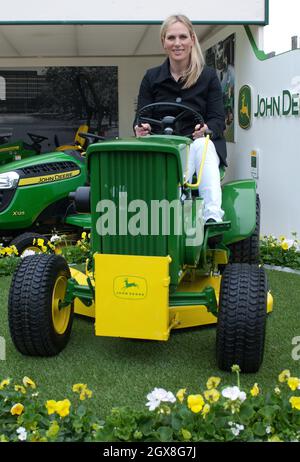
276, 138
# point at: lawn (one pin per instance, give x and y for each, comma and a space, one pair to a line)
121, 372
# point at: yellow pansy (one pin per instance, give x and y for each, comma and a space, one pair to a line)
4, 383
293, 383
205, 410
295, 402
78, 387
284, 245
17, 409
51, 406
195, 403
20, 388
63, 408
83, 235
212, 395
40, 242
284, 375
180, 394
282, 238
28, 382
254, 390
213, 382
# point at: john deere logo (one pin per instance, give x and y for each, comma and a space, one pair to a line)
130, 287
245, 107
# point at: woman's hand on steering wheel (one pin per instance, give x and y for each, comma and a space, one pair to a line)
142, 129
199, 131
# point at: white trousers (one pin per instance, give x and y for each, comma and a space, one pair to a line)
210, 186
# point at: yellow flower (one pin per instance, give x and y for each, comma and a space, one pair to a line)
44, 249
20, 388
255, 390
14, 249
17, 409
79, 387
213, 382
51, 406
180, 394
4, 383
63, 408
293, 383
295, 402
83, 235
28, 382
40, 242
212, 395
282, 238
277, 390
284, 245
205, 410
195, 403
284, 375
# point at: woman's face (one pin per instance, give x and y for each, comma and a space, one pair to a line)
178, 42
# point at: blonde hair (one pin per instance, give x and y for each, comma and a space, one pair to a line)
197, 60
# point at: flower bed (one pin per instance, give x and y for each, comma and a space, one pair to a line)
218, 413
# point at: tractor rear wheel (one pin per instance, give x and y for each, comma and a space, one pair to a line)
38, 325
242, 317
25, 242
247, 250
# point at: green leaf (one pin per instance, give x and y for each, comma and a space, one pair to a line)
269, 411
246, 413
259, 429
165, 434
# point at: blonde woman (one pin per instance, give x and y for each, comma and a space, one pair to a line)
184, 78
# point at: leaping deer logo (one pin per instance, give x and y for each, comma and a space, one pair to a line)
244, 109
129, 284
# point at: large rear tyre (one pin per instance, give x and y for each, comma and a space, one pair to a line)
247, 250
25, 242
242, 317
38, 326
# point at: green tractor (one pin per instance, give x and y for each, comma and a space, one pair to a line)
154, 264
34, 190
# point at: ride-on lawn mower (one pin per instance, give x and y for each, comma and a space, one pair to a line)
34, 193
150, 273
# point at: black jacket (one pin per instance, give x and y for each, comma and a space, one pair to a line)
205, 96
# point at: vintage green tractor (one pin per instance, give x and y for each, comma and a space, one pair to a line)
154, 264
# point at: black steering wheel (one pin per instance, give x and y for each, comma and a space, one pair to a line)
167, 124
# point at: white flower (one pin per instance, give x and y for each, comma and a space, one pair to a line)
234, 393
289, 242
55, 238
157, 396
268, 430
22, 433
235, 428
27, 253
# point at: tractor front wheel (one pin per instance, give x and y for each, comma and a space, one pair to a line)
39, 326
242, 317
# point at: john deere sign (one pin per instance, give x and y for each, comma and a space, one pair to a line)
245, 107
282, 105
285, 104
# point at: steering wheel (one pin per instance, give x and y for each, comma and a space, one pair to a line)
37, 139
167, 124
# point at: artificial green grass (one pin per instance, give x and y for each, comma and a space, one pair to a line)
121, 371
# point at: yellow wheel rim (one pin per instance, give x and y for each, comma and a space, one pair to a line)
60, 317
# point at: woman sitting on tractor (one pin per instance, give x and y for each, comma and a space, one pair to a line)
184, 78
